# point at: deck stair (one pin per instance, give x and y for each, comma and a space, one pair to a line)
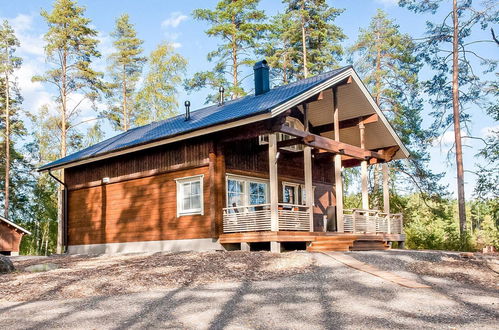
345, 243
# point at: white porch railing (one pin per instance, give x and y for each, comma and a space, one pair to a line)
257, 218
372, 221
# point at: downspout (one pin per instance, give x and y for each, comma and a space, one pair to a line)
64, 213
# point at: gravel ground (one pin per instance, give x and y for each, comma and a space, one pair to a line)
480, 271
328, 296
89, 276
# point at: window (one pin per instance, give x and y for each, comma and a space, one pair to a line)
235, 192
290, 192
190, 195
291, 122
244, 191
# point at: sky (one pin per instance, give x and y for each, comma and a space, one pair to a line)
167, 20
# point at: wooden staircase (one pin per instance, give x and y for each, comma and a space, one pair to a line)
347, 242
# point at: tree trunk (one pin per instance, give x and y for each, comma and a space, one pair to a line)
125, 112
7, 137
457, 123
235, 82
304, 43
60, 192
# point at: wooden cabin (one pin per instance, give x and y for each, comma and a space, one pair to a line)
265, 168
11, 235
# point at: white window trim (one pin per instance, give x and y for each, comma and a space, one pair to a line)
303, 202
297, 191
246, 180
180, 197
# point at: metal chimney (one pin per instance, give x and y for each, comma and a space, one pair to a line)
221, 97
187, 110
262, 84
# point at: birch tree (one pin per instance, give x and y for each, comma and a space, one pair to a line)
11, 99
157, 100
71, 45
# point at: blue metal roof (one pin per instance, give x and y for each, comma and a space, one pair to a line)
244, 107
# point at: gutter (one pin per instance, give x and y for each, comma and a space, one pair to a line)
64, 213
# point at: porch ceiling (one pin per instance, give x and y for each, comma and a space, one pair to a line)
352, 103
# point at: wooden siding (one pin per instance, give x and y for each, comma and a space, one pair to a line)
252, 157
142, 209
172, 157
10, 238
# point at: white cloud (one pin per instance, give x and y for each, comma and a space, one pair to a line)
31, 42
176, 44
174, 20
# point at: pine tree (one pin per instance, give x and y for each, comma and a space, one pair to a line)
125, 70
316, 39
386, 58
239, 26
157, 100
71, 47
457, 85
278, 49
11, 100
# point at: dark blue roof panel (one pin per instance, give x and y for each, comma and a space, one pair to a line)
244, 107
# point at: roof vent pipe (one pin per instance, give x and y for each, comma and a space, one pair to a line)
262, 84
187, 110
221, 91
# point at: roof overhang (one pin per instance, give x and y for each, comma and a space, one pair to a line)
350, 72
17, 227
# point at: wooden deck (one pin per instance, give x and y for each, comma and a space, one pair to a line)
318, 241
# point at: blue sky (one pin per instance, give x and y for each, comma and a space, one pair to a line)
161, 20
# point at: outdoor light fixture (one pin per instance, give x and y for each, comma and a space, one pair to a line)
105, 180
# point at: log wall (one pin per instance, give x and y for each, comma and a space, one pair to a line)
10, 238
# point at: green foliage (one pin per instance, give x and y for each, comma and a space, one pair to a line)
157, 100
386, 58
239, 27
125, 69
314, 18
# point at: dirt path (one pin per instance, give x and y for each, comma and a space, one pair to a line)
329, 295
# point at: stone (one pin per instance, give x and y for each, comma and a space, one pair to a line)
41, 268
6, 266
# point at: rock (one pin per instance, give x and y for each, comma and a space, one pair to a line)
41, 268
6, 266
468, 255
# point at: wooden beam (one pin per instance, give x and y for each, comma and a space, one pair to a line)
386, 191
346, 123
290, 142
274, 216
307, 169
333, 146
363, 169
338, 180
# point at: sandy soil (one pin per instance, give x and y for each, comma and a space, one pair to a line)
85, 276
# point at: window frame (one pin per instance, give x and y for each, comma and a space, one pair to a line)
296, 186
246, 188
180, 195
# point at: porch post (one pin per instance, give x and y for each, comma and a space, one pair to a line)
307, 161
386, 191
274, 215
338, 181
363, 169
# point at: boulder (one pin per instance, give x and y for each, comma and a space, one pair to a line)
6, 266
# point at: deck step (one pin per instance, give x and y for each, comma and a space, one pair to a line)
367, 245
